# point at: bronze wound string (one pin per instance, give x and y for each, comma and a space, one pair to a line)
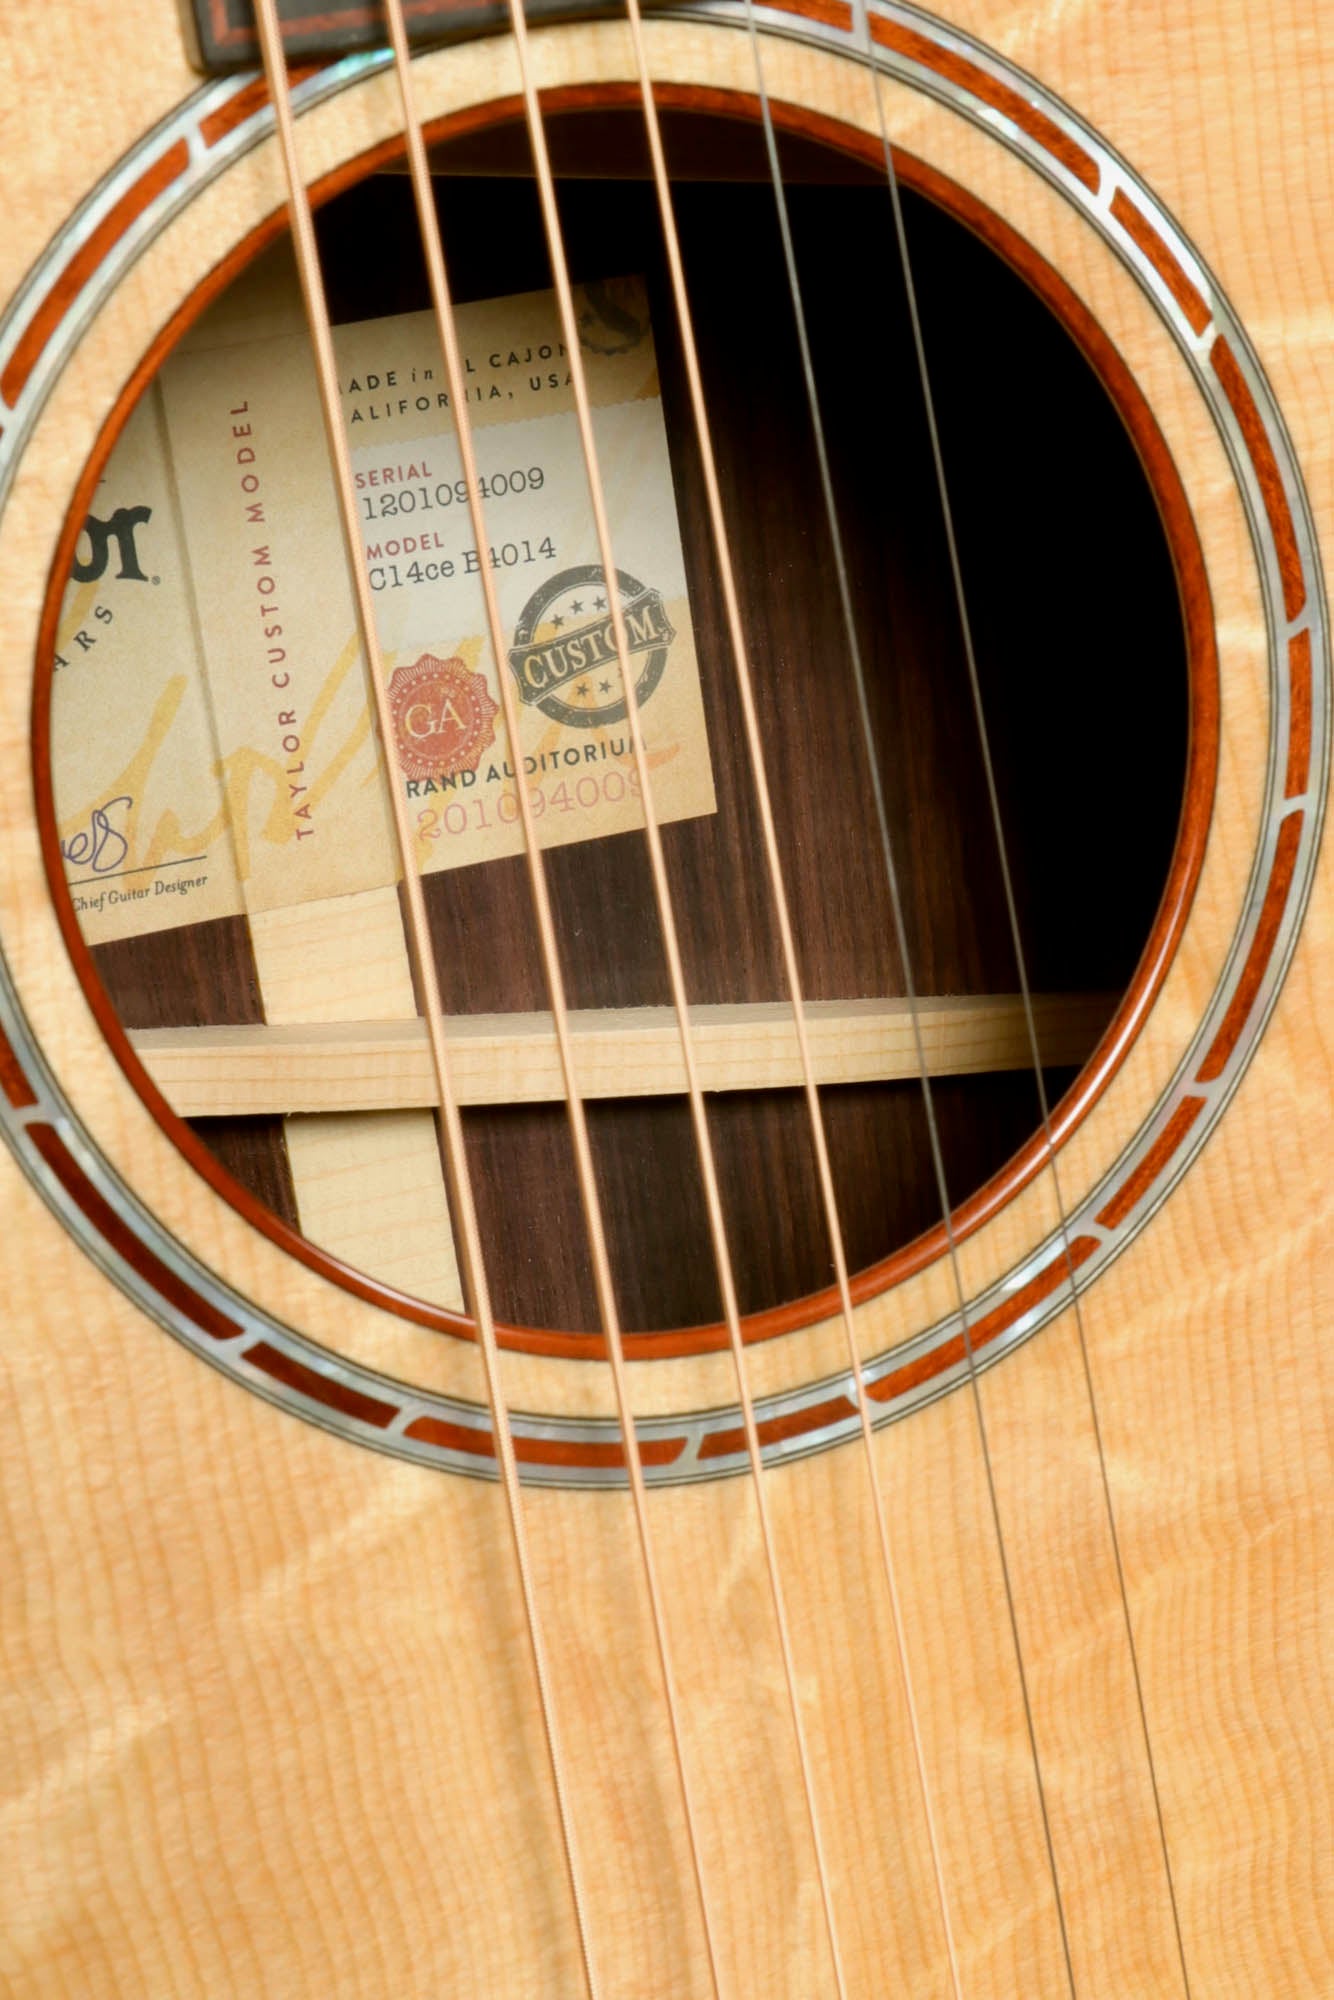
471, 1259
429, 229
1016, 939
759, 775
857, 669
662, 894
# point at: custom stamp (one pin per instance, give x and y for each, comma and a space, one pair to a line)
564, 651
444, 717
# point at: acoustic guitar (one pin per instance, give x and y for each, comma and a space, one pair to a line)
718, 1388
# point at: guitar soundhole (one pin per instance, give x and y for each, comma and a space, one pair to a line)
1082, 660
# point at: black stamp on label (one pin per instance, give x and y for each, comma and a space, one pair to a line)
612, 318
564, 650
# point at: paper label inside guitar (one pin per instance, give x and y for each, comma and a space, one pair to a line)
214, 745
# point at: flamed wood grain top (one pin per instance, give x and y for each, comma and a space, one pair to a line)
264, 1727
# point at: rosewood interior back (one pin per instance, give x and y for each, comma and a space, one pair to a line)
1079, 643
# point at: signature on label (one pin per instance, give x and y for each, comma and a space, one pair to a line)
99, 845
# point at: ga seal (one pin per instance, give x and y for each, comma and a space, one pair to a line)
444, 717
564, 650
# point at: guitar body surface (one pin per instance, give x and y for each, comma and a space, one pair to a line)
268, 1717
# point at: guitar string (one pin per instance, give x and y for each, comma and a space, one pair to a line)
1012, 918
901, 939
667, 923
745, 688
471, 1257
429, 230
585, 1160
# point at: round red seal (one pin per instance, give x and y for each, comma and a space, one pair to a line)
444, 717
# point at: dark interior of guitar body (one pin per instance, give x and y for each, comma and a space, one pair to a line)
1079, 648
